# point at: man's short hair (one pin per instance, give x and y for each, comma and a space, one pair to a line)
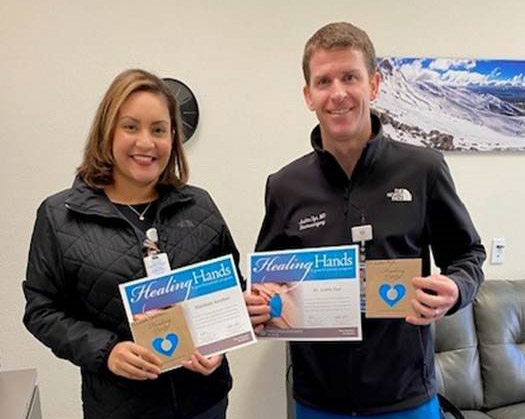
339, 35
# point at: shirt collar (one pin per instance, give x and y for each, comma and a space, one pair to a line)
86, 199
369, 155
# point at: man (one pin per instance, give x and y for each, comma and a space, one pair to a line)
351, 177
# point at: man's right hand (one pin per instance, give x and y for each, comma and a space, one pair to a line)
132, 361
258, 309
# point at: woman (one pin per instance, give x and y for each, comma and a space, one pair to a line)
89, 238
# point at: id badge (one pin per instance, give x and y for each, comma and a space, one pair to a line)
362, 233
157, 264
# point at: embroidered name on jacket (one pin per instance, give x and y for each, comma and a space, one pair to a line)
400, 195
312, 221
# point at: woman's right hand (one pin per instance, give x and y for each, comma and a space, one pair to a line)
132, 361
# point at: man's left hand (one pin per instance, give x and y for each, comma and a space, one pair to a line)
435, 296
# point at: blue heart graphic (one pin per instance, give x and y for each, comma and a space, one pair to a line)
392, 295
276, 306
166, 346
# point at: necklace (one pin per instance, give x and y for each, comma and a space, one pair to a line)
140, 214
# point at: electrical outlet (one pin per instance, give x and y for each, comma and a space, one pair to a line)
498, 251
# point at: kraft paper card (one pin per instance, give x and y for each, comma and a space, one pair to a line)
167, 335
389, 287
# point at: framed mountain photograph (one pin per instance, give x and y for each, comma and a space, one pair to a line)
453, 104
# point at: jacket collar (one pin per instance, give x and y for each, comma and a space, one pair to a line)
331, 166
87, 200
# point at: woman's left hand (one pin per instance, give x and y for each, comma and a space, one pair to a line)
201, 364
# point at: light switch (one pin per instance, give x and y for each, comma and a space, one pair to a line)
498, 251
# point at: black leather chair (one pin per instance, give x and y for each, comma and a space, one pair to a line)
480, 353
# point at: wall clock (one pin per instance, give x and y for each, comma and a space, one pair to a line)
188, 106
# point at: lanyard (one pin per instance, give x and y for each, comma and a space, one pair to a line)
362, 234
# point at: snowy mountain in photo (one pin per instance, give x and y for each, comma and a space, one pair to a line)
449, 106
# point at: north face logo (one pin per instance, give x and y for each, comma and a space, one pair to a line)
400, 195
185, 223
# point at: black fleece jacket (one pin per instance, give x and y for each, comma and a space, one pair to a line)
406, 193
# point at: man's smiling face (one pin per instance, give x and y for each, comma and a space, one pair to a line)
339, 92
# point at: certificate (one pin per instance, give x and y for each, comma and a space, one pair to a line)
313, 294
199, 307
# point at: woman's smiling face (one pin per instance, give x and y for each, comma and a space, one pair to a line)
142, 141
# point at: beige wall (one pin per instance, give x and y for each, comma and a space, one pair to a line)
242, 58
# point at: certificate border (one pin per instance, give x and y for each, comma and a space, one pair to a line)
354, 247
252, 336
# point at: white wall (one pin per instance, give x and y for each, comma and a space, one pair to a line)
242, 58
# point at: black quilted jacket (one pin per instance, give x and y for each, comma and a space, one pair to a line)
81, 249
